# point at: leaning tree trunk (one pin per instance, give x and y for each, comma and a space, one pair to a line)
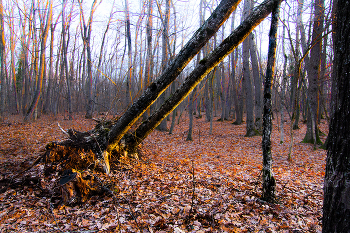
336, 205
89, 150
198, 40
201, 70
269, 183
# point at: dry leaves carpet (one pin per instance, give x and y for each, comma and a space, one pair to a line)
210, 184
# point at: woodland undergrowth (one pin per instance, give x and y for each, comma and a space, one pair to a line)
210, 184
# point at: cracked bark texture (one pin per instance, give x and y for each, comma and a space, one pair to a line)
336, 207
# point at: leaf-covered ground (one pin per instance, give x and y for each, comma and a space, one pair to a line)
210, 184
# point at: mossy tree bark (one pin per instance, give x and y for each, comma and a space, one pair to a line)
269, 183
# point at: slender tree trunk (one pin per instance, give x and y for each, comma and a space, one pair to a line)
250, 128
65, 29
222, 91
165, 53
296, 82
13, 64
283, 85
50, 77
128, 90
149, 58
2, 62
86, 36
257, 83
45, 29
336, 207
269, 183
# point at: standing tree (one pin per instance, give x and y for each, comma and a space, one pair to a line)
336, 207
2, 62
128, 90
86, 36
65, 42
44, 26
313, 69
269, 183
165, 52
250, 130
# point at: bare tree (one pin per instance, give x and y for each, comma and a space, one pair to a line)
128, 90
312, 132
44, 25
165, 53
2, 62
85, 28
269, 183
250, 129
149, 57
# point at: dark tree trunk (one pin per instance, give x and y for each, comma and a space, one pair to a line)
336, 207
269, 183
204, 67
199, 39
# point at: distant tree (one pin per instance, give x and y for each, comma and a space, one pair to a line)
336, 204
248, 86
40, 73
85, 28
165, 54
313, 69
2, 62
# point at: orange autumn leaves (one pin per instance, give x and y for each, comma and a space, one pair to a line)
158, 193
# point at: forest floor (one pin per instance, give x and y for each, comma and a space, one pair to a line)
210, 184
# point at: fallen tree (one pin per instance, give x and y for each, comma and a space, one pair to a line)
77, 158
